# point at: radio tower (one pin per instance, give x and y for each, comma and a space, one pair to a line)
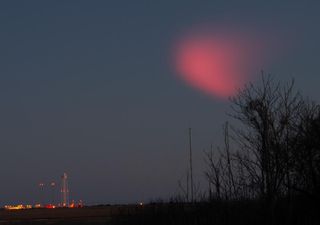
64, 191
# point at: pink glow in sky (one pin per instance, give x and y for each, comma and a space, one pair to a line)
217, 63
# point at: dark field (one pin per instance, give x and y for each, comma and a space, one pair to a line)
87, 215
219, 213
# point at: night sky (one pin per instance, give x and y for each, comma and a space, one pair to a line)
90, 88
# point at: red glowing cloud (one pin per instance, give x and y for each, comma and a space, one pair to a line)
216, 63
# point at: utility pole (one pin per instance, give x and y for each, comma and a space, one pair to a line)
190, 154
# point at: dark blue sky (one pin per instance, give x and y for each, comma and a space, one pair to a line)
88, 87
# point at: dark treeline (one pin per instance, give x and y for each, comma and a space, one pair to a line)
274, 152
271, 157
269, 163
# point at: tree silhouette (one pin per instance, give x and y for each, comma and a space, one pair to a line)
276, 146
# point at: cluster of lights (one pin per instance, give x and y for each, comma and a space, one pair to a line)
52, 184
17, 207
37, 206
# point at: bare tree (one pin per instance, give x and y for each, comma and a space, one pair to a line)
267, 114
213, 175
220, 170
306, 152
276, 146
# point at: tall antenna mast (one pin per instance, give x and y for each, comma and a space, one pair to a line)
41, 188
64, 191
190, 154
53, 185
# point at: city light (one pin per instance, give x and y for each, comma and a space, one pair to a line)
44, 201
17, 207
